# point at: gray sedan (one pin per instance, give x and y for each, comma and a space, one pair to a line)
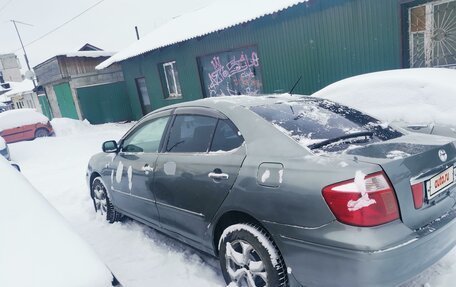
285, 190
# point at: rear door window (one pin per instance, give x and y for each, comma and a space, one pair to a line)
226, 137
191, 134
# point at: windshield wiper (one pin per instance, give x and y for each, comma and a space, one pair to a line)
344, 137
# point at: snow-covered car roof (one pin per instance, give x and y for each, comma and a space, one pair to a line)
37, 246
217, 16
425, 95
16, 118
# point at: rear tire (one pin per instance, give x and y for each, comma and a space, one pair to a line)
41, 133
101, 201
249, 258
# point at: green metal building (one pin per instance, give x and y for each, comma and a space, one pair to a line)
321, 41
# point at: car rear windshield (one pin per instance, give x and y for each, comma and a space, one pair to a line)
313, 122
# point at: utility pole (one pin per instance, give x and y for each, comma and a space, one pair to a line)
137, 32
23, 48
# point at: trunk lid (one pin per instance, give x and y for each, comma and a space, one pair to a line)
414, 159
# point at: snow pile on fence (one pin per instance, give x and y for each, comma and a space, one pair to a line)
16, 118
66, 126
408, 95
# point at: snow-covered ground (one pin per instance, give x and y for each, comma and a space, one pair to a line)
137, 255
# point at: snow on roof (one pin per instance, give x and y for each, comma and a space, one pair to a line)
87, 54
217, 16
19, 88
3, 99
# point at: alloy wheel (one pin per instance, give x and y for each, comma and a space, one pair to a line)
244, 265
100, 198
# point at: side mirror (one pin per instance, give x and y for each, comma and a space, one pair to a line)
417, 127
16, 166
110, 147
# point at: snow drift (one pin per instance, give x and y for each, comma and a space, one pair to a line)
425, 95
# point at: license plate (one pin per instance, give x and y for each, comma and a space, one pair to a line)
439, 182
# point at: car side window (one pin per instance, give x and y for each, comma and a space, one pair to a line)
147, 137
191, 133
226, 137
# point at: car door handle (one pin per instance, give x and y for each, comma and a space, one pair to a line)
218, 176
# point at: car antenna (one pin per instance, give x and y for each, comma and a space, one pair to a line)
297, 82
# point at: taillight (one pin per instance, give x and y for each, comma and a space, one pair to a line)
363, 201
418, 195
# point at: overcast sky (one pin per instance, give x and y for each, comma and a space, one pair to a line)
109, 25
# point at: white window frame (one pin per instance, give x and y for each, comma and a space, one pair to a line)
171, 64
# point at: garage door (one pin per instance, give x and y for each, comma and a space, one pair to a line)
105, 103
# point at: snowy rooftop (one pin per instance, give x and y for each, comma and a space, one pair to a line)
87, 54
217, 16
18, 88
3, 99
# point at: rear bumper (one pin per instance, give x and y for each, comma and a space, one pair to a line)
313, 264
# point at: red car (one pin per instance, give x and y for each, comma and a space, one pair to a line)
24, 124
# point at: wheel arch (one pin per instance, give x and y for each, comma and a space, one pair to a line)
230, 218
92, 177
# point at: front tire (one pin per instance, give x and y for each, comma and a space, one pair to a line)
41, 133
101, 201
249, 258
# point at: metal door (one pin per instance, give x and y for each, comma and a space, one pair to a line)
45, 107
65, 101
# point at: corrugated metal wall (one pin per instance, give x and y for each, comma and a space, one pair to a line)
322, 40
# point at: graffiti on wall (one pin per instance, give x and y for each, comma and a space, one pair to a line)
232, 73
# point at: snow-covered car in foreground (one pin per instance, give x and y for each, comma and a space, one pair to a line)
4, 150
37, 246
420, 100
285, 190
24, 124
